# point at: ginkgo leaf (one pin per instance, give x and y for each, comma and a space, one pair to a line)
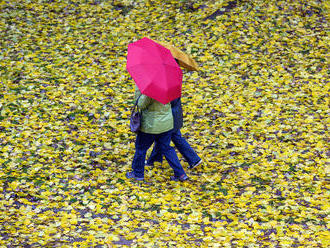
256, 112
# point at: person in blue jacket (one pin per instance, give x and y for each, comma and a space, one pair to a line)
180, 142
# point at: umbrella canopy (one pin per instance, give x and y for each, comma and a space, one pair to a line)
184, 59
154, 70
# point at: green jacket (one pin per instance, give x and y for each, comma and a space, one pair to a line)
156, 117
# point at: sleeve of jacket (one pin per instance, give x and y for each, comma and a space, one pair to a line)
144, 100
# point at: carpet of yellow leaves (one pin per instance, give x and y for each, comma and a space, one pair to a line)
257, 112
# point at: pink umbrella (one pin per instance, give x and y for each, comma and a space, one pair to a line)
154, 70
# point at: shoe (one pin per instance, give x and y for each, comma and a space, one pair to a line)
182, 178
196, 164
146, 163
130, 174
152, 164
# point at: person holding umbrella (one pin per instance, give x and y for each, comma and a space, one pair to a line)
180, 142
159, 81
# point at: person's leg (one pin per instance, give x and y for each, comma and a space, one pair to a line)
156, 155
164, 140
142, 144
185, 149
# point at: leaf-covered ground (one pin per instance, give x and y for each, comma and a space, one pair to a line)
257, 112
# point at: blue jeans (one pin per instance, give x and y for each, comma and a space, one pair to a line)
144, 141
183, 147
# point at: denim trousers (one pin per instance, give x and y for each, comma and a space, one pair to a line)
183, 147
144, 141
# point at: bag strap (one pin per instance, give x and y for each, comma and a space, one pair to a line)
136, 104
